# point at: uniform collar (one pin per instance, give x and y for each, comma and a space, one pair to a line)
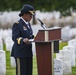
24, 21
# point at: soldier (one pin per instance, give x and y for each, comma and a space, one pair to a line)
22, 48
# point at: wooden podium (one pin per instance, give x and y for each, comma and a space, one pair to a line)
45, 41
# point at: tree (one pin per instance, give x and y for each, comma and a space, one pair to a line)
46, 5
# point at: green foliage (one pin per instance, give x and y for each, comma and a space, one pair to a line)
43, 5
9, 5
62, 44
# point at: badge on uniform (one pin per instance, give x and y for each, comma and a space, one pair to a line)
24, 28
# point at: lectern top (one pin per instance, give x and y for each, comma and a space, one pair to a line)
46, 35
50, 28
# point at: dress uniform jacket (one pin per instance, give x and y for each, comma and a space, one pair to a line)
20, 30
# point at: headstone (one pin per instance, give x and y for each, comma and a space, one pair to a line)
1, 33
9, 43
5, 34
73, 43
12, 61
58, 67
65, 33
65, 56
72, 51
33, 48
2, 63
1, 44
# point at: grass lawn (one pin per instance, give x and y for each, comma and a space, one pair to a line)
11, 71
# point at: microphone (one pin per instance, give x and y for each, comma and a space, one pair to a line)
42, 24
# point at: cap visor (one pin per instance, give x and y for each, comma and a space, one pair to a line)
31, 12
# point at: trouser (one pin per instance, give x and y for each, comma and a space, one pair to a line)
24, 66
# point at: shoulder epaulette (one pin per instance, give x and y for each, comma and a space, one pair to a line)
17, 22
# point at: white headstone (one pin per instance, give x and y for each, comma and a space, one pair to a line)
73, 43
2, 63
65, 33
5, 34
33, 48
1, 33
58, 67
72, 51
65, 56
1, 44
12, 61
9, 43
13, 64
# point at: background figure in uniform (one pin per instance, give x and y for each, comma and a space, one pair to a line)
22, 48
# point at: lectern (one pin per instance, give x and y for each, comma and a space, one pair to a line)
45, 41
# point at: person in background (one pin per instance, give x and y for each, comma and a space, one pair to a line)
22, 47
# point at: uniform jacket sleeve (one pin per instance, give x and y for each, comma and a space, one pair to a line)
16, 34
